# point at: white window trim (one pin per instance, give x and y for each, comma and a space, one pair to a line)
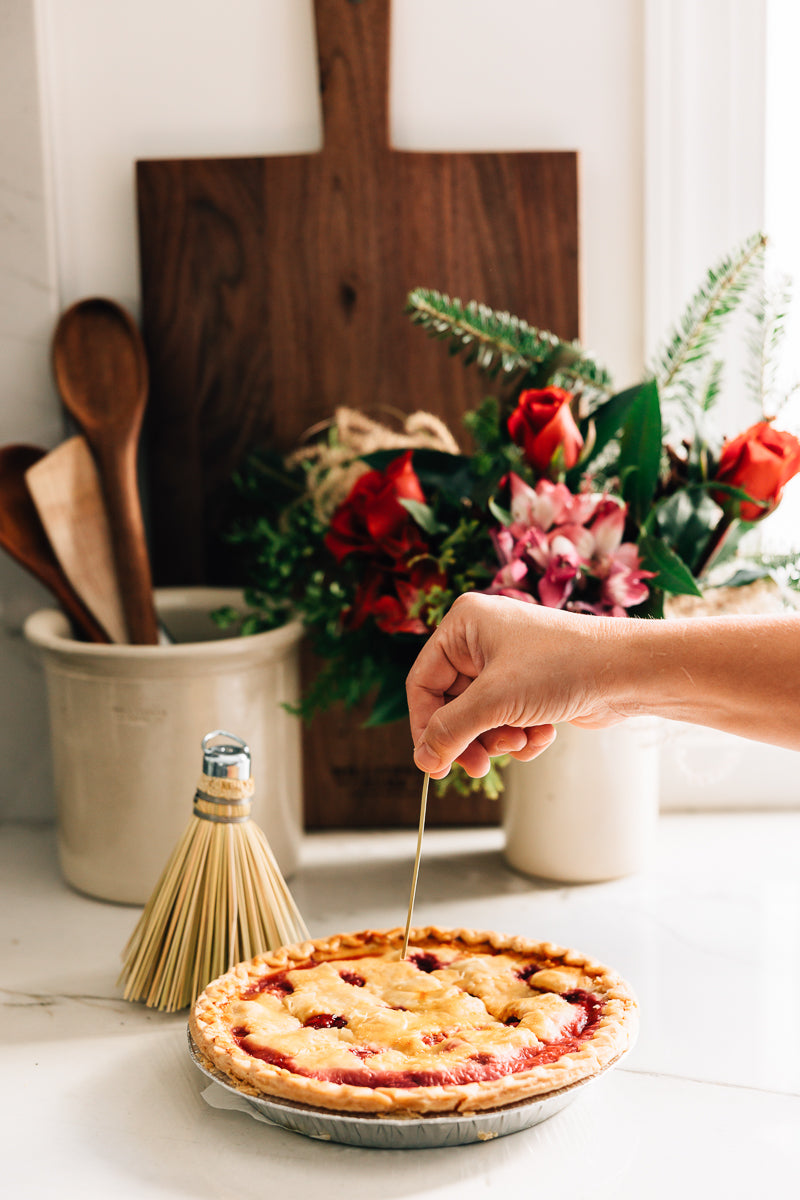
704, 132
705, 95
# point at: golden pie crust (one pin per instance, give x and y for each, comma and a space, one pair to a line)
468, 1021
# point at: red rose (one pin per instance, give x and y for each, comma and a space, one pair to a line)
542, 423
390, 596
760, 461
372, 520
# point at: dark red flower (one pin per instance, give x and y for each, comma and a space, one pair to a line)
760, 461
372, 520
542, 423
390, 597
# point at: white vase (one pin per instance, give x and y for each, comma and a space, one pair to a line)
587, 808
126, 724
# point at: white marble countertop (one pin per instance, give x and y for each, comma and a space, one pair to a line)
100, 1098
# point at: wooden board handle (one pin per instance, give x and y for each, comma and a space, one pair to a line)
353, 50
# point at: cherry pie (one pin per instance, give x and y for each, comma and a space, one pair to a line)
467, 1021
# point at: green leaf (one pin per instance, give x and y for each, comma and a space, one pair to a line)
390, 706
640, 450
500, 514
672, 573
608, 419
424, 516
686, 521
390, 703
749, 574
729, 490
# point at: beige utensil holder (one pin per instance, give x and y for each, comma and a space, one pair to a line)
126, 726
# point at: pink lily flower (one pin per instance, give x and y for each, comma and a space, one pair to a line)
542, 506
623, 585
562, 570
608, 526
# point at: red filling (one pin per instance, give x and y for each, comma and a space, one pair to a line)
475, 1070
276, 984
353, 978
426, 961
433, 1039
591, 1006
325, 1021
526, 972
478, 1068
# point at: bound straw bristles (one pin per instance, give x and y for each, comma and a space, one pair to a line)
221, 898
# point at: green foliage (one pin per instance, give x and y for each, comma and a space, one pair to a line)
686, 521
275, 534
673, 574
640, 451
679, 366
603, 427
500, 344
768, 314
490, 785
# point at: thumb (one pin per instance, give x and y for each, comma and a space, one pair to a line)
455, 726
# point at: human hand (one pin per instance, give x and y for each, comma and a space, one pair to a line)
498, 674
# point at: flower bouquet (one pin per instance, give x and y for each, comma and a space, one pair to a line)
564, 492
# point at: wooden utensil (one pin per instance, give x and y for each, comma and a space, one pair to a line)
101, 373
65, 488
22, 535
274, 287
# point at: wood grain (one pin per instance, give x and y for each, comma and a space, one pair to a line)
23, 536
274, 289
66, 489
100, 366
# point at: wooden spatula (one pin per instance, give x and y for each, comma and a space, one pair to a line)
101, 371
23, 537
65, 488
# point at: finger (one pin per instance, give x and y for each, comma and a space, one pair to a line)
453, 727
538, 738
476, 757
523, 744
474, 760
503, 740
429, 683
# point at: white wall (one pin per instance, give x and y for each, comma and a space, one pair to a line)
28, 412
116, 90
196, 77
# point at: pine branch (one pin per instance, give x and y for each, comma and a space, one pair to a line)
712, 388
499, 343
723, 288
768, 315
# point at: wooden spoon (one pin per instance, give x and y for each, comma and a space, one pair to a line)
23, 537
66, 491
101, 373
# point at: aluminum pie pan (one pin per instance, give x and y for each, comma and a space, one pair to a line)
420, 1132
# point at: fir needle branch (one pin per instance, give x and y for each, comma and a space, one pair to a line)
497, 341
724, 286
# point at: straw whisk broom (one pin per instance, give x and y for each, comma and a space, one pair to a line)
221, 898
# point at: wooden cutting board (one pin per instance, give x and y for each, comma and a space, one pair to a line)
273, 289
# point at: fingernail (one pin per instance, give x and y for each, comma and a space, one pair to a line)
426, 759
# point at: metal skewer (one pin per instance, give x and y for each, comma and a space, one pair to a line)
423, 805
